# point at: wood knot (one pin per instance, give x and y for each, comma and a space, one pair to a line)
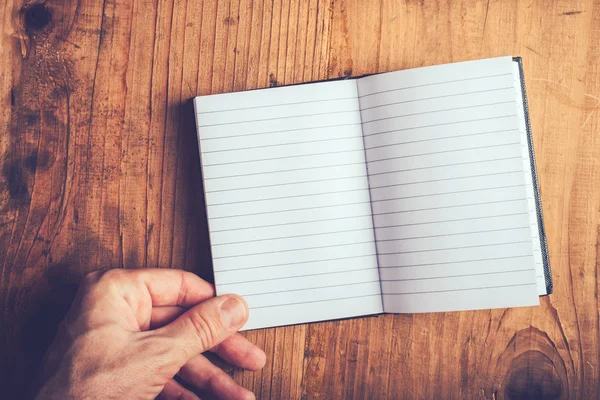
36, 17
41, 160
530, 367
17, 184
532, 375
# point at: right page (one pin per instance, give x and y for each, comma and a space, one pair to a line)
451, 209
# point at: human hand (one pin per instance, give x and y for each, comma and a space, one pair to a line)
129, 332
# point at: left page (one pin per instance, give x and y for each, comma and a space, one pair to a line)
288, 202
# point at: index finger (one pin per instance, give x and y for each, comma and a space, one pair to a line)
165, 286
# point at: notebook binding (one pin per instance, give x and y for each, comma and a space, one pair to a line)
536, 190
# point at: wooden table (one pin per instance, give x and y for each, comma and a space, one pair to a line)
100, 169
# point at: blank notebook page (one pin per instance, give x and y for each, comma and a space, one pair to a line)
448, 187
288, 202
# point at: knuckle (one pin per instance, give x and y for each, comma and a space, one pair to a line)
97, 284
112, 278
180, 394
215, 377
207, 328
89, 289
91, 278
113, 275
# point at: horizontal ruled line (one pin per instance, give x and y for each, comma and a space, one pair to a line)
455, 276
278, 118
283, 170
283, 130
286, 183
379, 253
293, 237
316, 301
294, 209
289, 250
356, 190
452, 234
275, 105
309, 288
457, 262
287, 197
451, 220
376, 227
451, 248
295, 263
294, 223
432, 84
281, 144
441, 138
442, 124
368, 229
299, 276
454, 206
281, 158
444, 165
438, 152
443, 193
459, 290
435, 97
443, 110
447, 179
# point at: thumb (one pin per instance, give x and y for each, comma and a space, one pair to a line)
207, 324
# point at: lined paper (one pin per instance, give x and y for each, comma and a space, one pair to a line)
288, 202
450, 200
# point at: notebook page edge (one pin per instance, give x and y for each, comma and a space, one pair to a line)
543, 241
194, 102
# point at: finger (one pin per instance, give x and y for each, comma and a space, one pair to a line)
139, 290
204, 326
172, 287
174, 391
238, 351
166, 287
202, 374
162, 316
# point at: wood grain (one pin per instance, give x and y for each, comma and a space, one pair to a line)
100, 169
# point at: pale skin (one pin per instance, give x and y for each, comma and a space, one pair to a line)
130, 332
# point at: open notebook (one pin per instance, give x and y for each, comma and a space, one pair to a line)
408, 191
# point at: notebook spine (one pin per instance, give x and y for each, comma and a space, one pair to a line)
534, 178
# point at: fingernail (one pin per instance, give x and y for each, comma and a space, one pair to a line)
233, 313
